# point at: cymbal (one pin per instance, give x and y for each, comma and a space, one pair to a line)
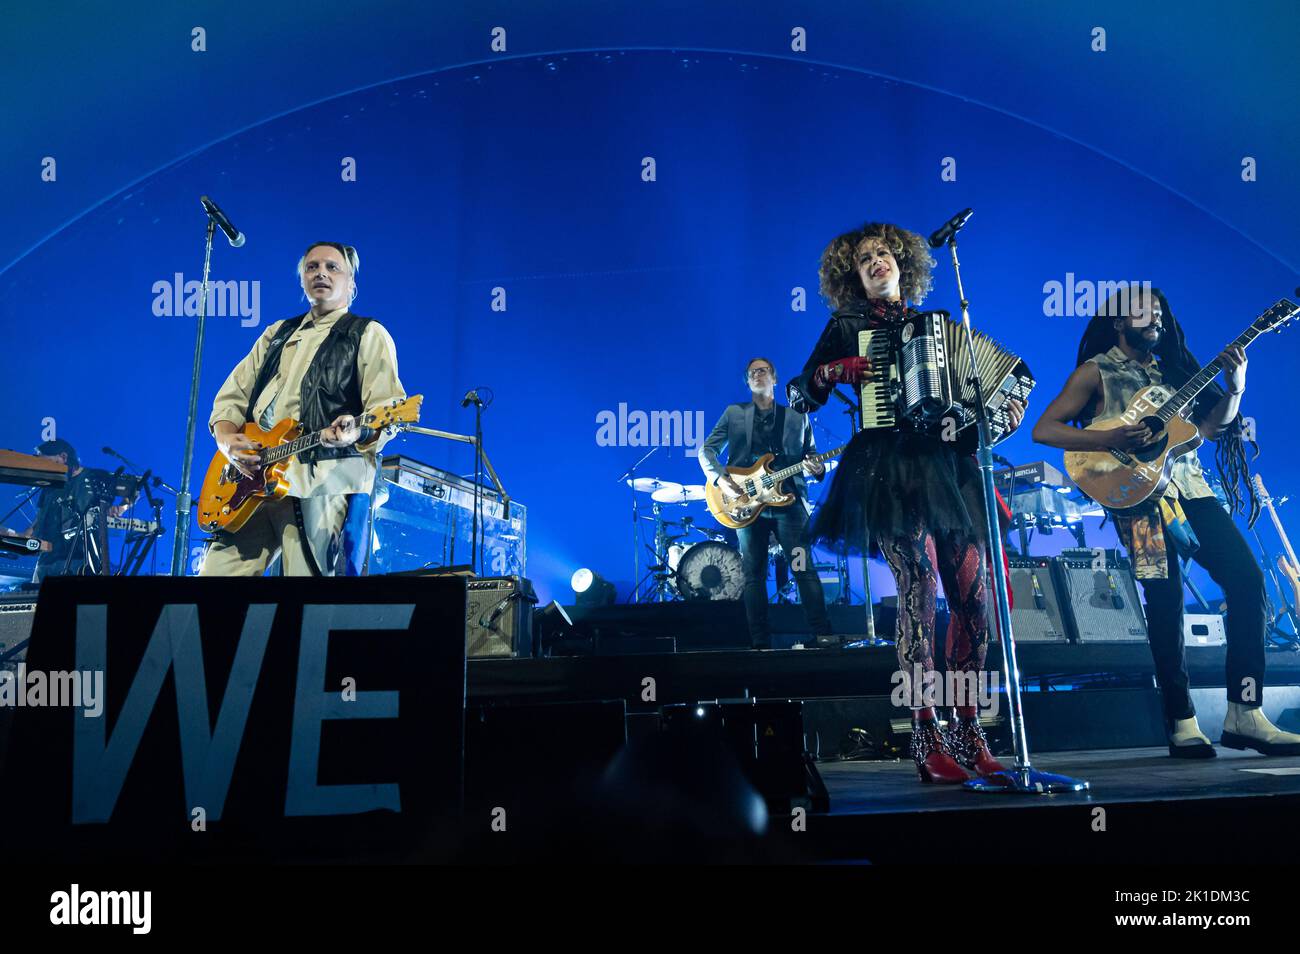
679, 494
651, 484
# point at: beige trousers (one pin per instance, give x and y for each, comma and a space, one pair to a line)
273, 529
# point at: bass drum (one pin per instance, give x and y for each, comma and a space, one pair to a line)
710, 571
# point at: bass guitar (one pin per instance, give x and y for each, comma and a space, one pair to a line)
1122, 480
230, 497
762, 489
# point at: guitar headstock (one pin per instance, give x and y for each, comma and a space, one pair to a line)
1277, 317
395, 413
1259, 488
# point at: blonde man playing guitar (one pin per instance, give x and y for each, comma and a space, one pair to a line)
1106, 380
323, 369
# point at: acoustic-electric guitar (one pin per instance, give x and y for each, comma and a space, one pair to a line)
1122, 480
229, 496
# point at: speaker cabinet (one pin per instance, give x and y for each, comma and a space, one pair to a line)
1102, 596
1037, 615
499, 617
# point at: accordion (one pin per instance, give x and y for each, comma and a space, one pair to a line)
923, 377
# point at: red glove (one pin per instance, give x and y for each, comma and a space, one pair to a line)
842, 371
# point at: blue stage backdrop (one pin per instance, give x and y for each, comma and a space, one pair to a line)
523, 182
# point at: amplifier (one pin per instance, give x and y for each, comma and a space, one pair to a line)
1204, 629
499, 616
1099, 589
16, 615
1037, 616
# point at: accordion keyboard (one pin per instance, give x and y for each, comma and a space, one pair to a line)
878, 395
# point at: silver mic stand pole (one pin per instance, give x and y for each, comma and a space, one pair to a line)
181, 542
1024, 778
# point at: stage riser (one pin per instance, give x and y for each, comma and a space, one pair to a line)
1055, 721
812, 673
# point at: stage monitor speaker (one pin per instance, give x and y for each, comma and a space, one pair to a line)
1204, 629
1099, 589
16, 615
1037, 615
499, 617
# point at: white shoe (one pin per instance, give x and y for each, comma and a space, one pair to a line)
1246, 728
1187, 741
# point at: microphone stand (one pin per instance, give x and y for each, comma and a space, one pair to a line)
181, 543
1024, 779
630, 475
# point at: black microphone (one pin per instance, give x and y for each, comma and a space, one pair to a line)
236, 237
950, 228
998, 458
471, 397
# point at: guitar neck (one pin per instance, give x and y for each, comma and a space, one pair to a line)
1277, 525
307, 442
295, 446
1201, 379
795, 468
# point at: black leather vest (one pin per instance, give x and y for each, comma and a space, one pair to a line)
331, 386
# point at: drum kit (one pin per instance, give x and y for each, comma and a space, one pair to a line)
692, 562
689, 562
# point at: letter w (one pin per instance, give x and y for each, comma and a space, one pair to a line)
99, 769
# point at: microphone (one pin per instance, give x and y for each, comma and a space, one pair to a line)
236, 237
998, 458
471, 397
950, 228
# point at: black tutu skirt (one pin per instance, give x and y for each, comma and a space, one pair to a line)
895, 481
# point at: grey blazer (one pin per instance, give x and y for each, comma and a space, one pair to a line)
735, 431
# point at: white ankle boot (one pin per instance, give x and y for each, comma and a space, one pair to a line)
1246, 728
1187, 741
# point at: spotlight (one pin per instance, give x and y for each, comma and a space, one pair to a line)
592, 589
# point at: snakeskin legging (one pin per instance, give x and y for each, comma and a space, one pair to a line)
918, 562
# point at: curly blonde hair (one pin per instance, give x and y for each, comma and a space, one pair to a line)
840, 283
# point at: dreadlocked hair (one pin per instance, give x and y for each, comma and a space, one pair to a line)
1177, 365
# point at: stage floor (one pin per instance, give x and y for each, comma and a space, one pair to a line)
1143, 806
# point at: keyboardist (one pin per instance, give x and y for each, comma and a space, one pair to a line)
62, 517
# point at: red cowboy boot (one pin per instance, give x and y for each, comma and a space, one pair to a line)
968, 744
934, 761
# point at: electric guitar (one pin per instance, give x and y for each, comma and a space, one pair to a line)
229, 497
1122, 480
762, 489
1286, 562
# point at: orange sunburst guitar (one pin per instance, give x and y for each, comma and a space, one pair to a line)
1286, 562
229, 497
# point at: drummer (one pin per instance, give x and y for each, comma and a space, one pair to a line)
748, 431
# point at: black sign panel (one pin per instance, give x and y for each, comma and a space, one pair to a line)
289, 719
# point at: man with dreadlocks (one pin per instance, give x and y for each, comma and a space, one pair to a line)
917, 495
1132, 342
